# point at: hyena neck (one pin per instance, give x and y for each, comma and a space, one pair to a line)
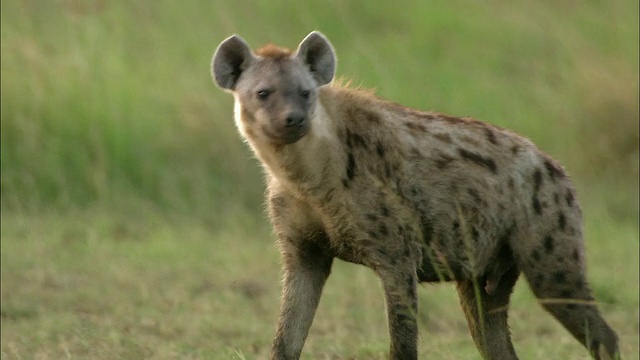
306, 165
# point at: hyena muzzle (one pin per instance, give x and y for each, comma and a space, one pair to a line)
415, 196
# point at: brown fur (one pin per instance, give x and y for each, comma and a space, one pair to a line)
415, 196
273, 51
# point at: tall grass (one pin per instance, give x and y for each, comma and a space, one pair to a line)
105, 101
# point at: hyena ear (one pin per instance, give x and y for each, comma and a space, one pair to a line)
317, 53
231, 58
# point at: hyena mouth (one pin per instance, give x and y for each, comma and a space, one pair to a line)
288, 135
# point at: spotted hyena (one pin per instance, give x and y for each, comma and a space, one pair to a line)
415, 196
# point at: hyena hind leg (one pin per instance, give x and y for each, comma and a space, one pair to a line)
486, 315
557, 277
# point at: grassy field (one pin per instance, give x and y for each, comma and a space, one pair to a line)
132, 222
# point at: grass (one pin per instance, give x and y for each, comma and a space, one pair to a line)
132, 222
101, 285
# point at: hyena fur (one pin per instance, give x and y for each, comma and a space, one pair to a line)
415, 196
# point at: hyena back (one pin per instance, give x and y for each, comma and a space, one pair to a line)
415, 196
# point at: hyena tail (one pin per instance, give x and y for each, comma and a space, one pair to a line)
555, 269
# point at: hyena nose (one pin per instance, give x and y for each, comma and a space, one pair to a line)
294, 120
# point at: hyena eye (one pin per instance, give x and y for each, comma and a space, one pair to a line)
304, 93
263, 94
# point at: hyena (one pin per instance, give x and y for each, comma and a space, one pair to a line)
415, 196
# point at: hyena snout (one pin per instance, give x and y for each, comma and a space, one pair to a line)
295, 120
291, 127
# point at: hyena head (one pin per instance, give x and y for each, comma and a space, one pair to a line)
275, 89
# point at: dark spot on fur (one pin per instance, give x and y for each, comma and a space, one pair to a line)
471, 141
410, 285
443, 137
536, 205
478, 159
407, 252
515, 149
372, 117
278, 202
535, 255
560, 277
366, 243
359, 141
351, 166
407, 238
364, 115
384, 210
426, 224
553, 170
562, 221
328, 196
387, 170
575, 255
475, 235
382, 229
511, 183
569, 198
566, 294
345, 182
349, 140
443, 160
455, 225
401, 316
475, 195
372, 217
354, 139
415, 126
548, 244
491, 136
538, 279
506, 236
537, 180
380, 149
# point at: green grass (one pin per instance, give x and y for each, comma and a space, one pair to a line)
132, 222
101, 285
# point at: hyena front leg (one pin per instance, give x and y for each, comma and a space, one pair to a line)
306, 268
402, 305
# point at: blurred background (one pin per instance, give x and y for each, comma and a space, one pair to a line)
127, 194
